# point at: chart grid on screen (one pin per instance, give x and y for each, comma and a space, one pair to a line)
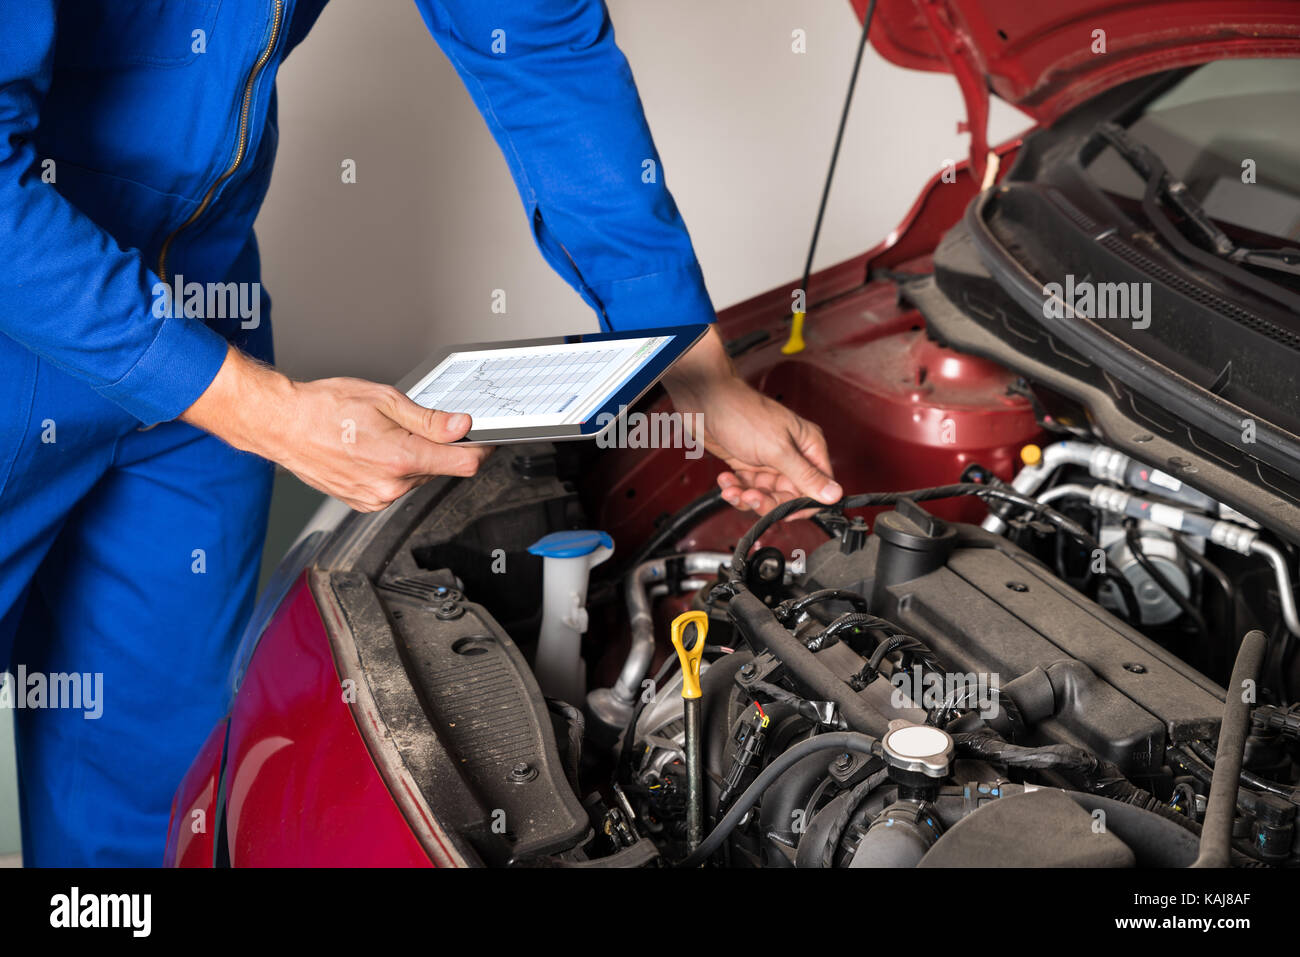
534, 383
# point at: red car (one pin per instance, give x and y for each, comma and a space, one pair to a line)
1076, 355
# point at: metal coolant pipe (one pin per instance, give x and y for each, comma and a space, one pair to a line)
1238, 538
1105, 465
613, 706
1228, 534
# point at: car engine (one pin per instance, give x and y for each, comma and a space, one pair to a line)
1098, 674
1044, 689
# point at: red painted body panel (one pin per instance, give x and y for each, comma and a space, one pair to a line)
1047, 58
194, 820
301, 788
1040, 56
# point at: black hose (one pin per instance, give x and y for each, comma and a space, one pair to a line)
832, 741
1226, 620
1161, 579
849, 621
1248, 777
790, 610
956, 490
845, 815
784, 808
673, 529
1216, 830
1214, 571
912, 648
576, 725
802, 706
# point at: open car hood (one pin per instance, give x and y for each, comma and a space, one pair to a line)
1047, 56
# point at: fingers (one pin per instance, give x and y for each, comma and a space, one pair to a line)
798, 466
430, 424
427, 450
756, 491
805, 461
425, 459
390, 444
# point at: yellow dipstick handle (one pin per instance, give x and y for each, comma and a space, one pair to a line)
690, 659
795, 343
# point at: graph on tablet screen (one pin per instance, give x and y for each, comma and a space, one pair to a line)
534, 385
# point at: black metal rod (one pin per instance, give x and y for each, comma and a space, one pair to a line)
694, 775
835, 151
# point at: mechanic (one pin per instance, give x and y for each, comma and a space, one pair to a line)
137, 442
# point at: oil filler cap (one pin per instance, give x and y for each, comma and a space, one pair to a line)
917, 749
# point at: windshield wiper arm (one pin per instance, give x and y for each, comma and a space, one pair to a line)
1286, 259
1224, 256
1150, 167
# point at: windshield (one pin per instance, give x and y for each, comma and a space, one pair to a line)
1229, 131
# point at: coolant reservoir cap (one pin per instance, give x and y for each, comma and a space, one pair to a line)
918, 748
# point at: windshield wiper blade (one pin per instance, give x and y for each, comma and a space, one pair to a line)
1224, 256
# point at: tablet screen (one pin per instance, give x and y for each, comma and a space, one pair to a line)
545, 385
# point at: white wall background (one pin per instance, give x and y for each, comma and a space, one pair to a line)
368, 277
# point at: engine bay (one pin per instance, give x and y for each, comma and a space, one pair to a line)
1044, 688
1056, 625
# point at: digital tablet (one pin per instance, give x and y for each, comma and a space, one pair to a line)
566, 387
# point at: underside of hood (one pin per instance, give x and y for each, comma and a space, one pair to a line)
1048, 56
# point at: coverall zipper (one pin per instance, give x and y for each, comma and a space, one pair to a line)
241, 147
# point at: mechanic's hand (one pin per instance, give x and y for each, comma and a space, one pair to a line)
363, 443
774, 454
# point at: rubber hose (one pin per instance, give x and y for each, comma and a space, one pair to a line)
833, 741
1216, 829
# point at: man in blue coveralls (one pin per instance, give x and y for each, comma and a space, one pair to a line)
136, 442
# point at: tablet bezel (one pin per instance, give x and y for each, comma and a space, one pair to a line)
683, 338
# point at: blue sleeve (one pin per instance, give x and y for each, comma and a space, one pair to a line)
68, 292
560, 100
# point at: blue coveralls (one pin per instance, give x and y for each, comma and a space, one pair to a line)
129, 542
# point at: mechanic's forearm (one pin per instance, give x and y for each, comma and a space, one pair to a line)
700, 370
243, 404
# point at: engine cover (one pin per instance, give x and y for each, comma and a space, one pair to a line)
987, 608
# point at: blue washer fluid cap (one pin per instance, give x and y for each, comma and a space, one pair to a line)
573, 544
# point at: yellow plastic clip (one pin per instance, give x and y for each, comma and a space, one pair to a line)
690, 659
1031, 455
795, 343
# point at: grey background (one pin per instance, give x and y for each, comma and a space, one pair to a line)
368, 277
